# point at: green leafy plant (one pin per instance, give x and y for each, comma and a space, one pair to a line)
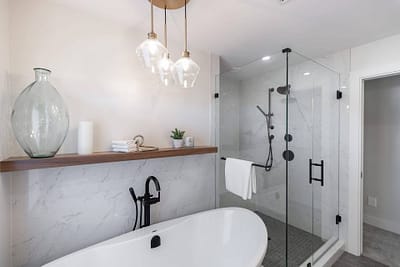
177, 134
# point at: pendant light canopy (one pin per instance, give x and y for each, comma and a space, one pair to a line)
166, 65
186, 70
151, 51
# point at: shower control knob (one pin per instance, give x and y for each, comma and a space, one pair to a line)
271, 137
272, 127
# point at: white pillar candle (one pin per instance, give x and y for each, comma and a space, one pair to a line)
85, 138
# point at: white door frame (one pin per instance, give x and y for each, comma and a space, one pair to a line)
356, 131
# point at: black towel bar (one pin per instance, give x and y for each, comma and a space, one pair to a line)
254, 164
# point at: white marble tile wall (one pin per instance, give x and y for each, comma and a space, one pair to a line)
61, 210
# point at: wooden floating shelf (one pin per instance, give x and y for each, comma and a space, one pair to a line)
64, 160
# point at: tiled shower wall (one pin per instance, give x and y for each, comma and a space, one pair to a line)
58, 211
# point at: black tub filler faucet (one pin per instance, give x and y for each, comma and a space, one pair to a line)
146, 201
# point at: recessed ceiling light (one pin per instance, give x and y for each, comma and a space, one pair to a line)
266, 58
307, 73
344, 87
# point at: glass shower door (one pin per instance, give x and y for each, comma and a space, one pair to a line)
325, 160
301, 240
313, 174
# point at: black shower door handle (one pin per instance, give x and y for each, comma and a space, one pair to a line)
321, 165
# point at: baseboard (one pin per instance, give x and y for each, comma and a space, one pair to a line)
387, 225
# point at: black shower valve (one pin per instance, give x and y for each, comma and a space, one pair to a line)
272, 127
271, 137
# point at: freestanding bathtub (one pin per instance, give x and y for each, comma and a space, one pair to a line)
228, 237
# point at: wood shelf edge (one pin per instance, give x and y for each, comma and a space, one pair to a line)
65, 160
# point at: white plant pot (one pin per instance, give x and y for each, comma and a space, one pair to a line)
177, 143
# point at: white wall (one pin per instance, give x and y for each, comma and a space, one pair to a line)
381, 146
376, 59
5, 252
96, 70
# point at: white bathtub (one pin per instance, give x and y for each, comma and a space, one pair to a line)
229, 237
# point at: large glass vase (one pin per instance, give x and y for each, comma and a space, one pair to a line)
40, 117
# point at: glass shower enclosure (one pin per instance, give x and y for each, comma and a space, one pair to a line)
283, 114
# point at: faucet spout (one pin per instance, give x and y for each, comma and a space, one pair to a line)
148, 198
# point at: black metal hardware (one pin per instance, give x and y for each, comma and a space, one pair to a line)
149, 200
288, 155
155, 241
309, 264
286, 50
135, 200
288, 137
216, 95
338, 219
146, 201
339, 94
284, 90
254, 164
321, 165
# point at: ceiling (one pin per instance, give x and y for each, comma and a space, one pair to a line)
241, 31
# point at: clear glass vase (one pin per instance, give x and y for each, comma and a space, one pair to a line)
40, 117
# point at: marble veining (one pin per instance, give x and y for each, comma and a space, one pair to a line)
58, 211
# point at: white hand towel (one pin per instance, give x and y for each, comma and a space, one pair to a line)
123, 146
240, 177
122, 142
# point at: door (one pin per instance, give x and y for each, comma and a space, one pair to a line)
313, 174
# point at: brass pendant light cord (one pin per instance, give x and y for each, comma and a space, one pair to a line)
186, 46
165, 27
152, 17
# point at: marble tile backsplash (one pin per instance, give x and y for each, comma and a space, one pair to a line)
61, 210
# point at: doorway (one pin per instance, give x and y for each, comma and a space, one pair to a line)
381, 168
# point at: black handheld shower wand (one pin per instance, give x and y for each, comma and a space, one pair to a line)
133, 195
268, 119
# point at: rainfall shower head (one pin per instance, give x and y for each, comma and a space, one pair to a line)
283, 90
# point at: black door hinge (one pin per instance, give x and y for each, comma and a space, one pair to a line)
339, 94
216, 95
338, 219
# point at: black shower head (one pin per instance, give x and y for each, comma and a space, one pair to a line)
283, 90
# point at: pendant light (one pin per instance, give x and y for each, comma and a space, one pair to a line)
186, 70
151, 50
166, 65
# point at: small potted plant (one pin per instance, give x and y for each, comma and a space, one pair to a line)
177, 138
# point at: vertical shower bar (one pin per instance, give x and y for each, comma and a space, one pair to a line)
269, 106
287, 51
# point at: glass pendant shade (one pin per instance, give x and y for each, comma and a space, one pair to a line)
186, 71
40, 117
166, 70
150, 52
